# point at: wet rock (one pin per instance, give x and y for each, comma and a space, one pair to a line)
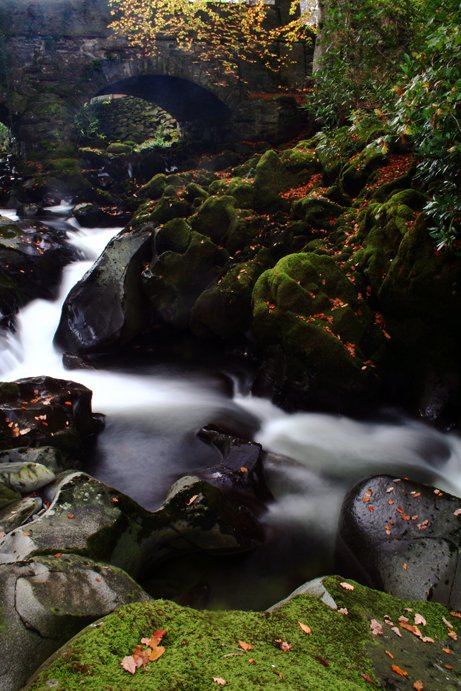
72, 361
31, 259
240, 474
17, 513
48, 456
47, 600
107, 308
155, 187
402, 537
92, 216
8, 495
25, 477
46, 411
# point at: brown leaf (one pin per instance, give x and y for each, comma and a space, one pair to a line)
245, 646
304, 627
453, 635
447, 651
191, 500
129, 664
347, 586
390, 654
279, 674
456, 614
399, 671
156, 653
59, 554
252, 661
418, 685
219, 681
284, 647
367, 678
322, 661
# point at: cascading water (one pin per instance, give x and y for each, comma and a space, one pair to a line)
150, 441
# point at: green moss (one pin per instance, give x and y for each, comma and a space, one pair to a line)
359, 169
118, 148
154, 188
201, 645
173, 237
216, 218
9, 389
271, 178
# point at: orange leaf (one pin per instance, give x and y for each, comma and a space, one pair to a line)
243, 470
376, 628
278, 673
456, 614
367, 678
156, 638
347, 586
343, 610
70, 515
252, 661
390, 654
284, 647
129, 664
245, 646
418, 685
420, 620
219, 681
304, 627
447, 651
156, 653
58, 555
191, 500
399, 671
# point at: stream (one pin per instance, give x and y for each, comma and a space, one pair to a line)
154, 410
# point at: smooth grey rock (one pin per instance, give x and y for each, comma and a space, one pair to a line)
46, 601
46, 455
402, 537
26, 477
315, 588
16, 514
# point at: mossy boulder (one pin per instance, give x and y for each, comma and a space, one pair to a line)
317, 211
174, 236
168, 207
216, 218
175, 280
118, 148
242, 191
308, 316
271, 178
224, 308
107, 308
360, 167
154, 188
204, 649
194, 191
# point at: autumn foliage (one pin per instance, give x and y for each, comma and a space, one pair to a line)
226, 33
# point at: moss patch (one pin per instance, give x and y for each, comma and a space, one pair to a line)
203, 645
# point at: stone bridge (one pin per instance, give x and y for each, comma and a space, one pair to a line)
55, 55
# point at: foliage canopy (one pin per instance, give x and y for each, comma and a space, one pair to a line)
226, 33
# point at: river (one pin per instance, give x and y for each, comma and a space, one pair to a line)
154, 410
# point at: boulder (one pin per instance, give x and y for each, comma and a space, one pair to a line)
48, 456
49, 412
305, 644
17, 513
216, 218
318, 335
107, 308
25, 477
176, 279
46, 601
402, 537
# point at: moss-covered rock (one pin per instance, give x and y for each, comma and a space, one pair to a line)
301, 157
216, 218
174, 236
307, 315
174, 281
360, 167
317, 211
194, 191
339, 652
224, 308
154, 188
119, 148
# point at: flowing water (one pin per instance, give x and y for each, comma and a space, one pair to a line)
154, 410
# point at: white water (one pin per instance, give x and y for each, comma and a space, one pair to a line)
149, 441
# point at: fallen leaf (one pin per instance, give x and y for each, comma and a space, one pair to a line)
252, 661
343, 610
448, 667
457, 512
322, 661
447, 651
2, 534
156, 653
418, 685
376, 628
59, 554
396, 631
405, 567
70, 515
456, 614
426, 639
452, 635
128, 663
115, 500
447, 623
155, 639
390, 654
347, 586
245, 646
367, 678
279, 674
284, 647
219, 681
399, 671
243, 469
191, 500
304, 627
419, 620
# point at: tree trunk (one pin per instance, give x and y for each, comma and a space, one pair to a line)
321, 39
